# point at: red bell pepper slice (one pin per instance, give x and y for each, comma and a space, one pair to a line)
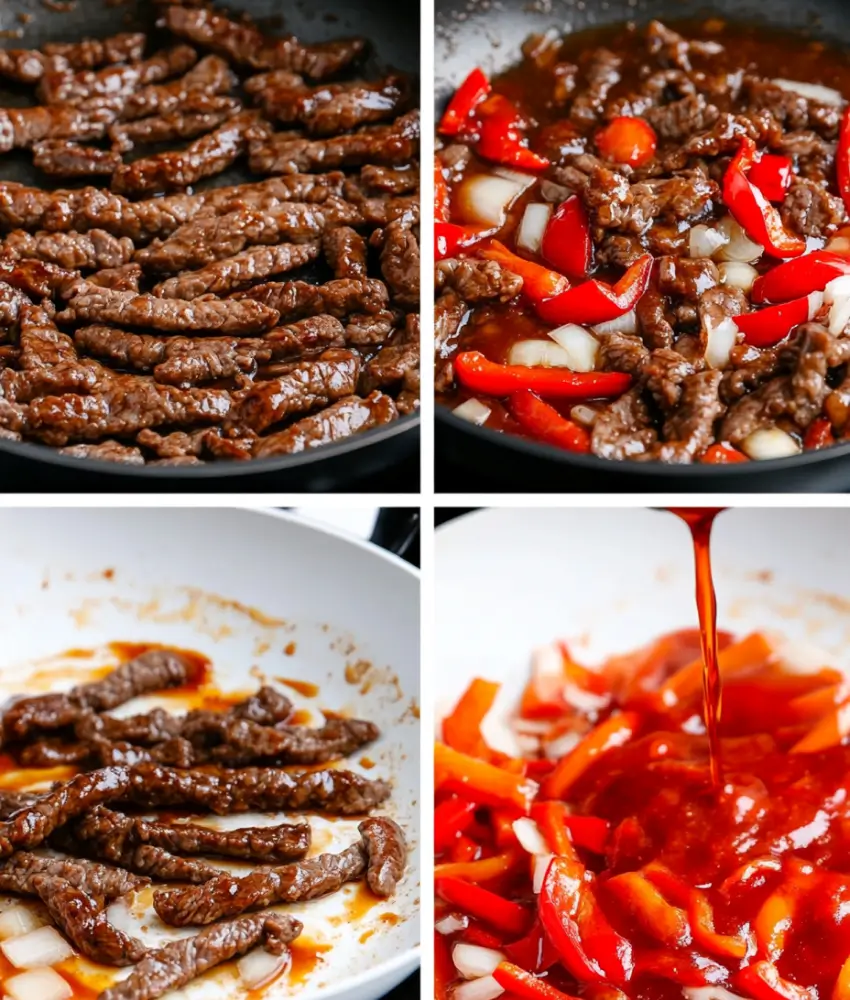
503, 914
520, 983
596, 301
567, 244
534, 951
762, 981
538, 282
546, 424
450, 239
500, 138
475, 372
772, 325
462, 727
588, 945
475, 934
628, 140
464, 850
772, 175
752, 211
819, 435
799, 277
451, 817
722, 454
589, 832
466, 98
842, 159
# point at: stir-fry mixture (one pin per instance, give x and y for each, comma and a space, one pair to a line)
598, 858
642, 247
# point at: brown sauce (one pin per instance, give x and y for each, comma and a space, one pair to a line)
306, 688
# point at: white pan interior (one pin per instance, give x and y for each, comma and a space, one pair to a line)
240, 587
610, 580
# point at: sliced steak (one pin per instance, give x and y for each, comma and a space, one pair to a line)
18, 873
106, 451
386, 852
74, 251
210, 76
22, 128
127, 47
345, 251
62, 158
624, 429
400, 263
478, 281
197, 115
123, 279
388, 179
689, 429
340, 298
335, 107
810, 210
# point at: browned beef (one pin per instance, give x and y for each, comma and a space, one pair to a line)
665, 372
345, 251
198, 114
106, 451
671, 49
209, 77
93, 52
601, 75
386, 852
73, 251
621, 352
810, 210
273, 79
340, 298
22, 128
750, 367
123, 279
28, 65
335, 107
792, 110
389, 179
682, 119
246, 742
478, 280
450, 311
400, 263
62, 158
687, 278
654, 326
363, 329
624, 429
396, 362
689, 429
18, 873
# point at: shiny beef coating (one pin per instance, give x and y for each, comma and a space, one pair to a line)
197, 115
22, 128
106, 451
386, 850
246, 742
62, 158
210, 76
19, 871
336, 107
340, 298
346, 252
89, 251
93, 52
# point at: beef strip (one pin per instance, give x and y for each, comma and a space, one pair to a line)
345, 251
246, 46
48, 359
681, 119
246, 742
239, 271
38, 279
197, 115
621, 352
62, 158
268, 789
339, 298
155, 670
671, 49
602, 74
83, 921
12, 302
106, 451
309, 384
400, 263
388, 145
337, 107
123, 279
205, 157
179, 962
686, 277
623, 429
790, 109
665, 372
478, 280
350, 415
689, 429
22, 128
655, 328
74, 251
106, 305
450, 312
28, 65
210, 76
115, 82
386, 851
396, 362
361, 329
388, 179
750, 368
273, 79
143, 859
90, 53
810, 210
18, 873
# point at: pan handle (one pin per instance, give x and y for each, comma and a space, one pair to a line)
397, 529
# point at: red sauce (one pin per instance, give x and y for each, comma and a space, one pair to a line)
308, 689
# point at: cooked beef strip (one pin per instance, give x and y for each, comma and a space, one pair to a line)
246, 742
389, 179
205, 157
123, 279
810, 210
339, 298
22, 128
792, 110
671, 49
144, 859
93, 52
389, 145
397, 361
83, 921
52, 752
106, 305
361, 329
239, 271
273, 79
115, 82
750, 367
74, 251
171, 753
623, 429
246, 46
12, 302
28, 65
197, 115
265, 789
665, 371
179, 962
183, 460
336, 107
386, 851
400, 263
48, 359
155, 670
345, 251
11, 802
450, 312
18, 873
478, 280
348, 416
689, 430
38, 279
655, 328
309, 384
601, 75
62, 158
622, 352
31, 826
106, 451
210, 76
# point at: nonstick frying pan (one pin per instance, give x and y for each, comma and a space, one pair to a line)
393, 32
474, 33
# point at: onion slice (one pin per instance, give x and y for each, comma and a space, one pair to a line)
18, 920
538, 354
768, 443
627, 323
738, 274
529, 836
260, 967
705, 241
812, 91
38, 984
719, 342
739, 245
43, 946
581, 346
474, 962
451, 924
473, 411
541, 866
485, 988
485, 199
535, 219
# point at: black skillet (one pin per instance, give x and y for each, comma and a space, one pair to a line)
393, 31
477, 33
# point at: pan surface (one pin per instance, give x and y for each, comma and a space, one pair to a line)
474, 33
393, 32
83, 578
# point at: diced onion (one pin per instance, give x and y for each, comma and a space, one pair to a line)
529, 836
538, 353
769, 442
581, 346
260, 967
486, 199
541, 866
838, 288
561, 746
485, 988
738, 274
816, 301
522, 181
719, 342
585, 415
739, 245
535, 219
18, 920
451, 924
813, 91
38, 984
627, 323
704, 241
839, 316
44, 946
584, 701
473, 410
473, 962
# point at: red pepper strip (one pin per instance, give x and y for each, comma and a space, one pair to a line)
684, 968
464, 849
722, 454
538, 281
771, 325
772, 175
444, 968
539, 768
546, 424
819, 435
483, 870
500, 138
613, 732
842, 159
485, 905
462, 727
752, 211
466, 98
588, 945
534, 951
551, 818
841, 990
451, 818
522, 984
450, 239
567, 244
762, 981
589, 832
628, 140
475, 372
442, 205
596, 301
796, 278
475, 934
663, 921
479, 780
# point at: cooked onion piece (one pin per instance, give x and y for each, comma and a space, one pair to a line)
813, 91
739, 246
18, 920
259, 967
485, 199
705, 241
535, 219
738, 274
473, 410
581, 346
473, 962
539, 354
38, 984
43, 946
769, 442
